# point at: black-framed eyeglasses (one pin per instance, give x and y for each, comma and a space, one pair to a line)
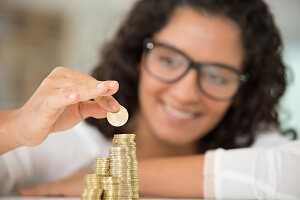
168, 64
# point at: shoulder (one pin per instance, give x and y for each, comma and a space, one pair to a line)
93, 138
83, 136
269, 138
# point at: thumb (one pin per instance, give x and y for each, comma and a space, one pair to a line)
91, 109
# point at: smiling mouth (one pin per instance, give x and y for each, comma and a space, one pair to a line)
178, 115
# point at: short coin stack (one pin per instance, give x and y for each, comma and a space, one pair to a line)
127, 140
93, 187
102, 166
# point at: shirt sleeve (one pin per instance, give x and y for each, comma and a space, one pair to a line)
15, 169
60, 156
253, 173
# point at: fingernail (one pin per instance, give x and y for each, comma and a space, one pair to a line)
100, 85
72, 96
112, 84
113, 105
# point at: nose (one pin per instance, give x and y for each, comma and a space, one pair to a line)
186, 89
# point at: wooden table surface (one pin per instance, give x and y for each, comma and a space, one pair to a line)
64, 198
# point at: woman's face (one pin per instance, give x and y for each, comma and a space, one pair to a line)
179, 113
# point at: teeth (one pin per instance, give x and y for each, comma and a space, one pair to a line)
177, 113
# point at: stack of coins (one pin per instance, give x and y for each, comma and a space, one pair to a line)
112, 188
93, 187
120, 166
127, 140
116, 176
102, 166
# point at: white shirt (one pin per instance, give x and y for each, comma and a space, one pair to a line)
65, 153
269, 170
60, 155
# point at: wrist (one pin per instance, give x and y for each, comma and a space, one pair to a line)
8, 137
17, 128
21, 127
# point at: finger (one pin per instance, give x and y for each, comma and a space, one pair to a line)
88, 89
59, 82
91, 109
71, 85
62, 98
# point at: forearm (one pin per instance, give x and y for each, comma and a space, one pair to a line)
8, 138
258, 173
174, 176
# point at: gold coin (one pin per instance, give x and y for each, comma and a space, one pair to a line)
118, 118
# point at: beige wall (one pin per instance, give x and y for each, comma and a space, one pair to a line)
37, 35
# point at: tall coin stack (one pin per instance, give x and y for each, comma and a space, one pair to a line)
112, 188
93, 187
120, 166
127, 140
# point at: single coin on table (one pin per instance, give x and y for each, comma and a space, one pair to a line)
118, 118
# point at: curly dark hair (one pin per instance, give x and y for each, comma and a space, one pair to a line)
256, 102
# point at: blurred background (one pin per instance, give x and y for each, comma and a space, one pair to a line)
38, 35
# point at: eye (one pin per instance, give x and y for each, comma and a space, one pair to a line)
167, 60
170, 61
216, 78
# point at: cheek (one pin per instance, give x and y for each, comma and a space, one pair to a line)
217, 108
149, 91
215, 112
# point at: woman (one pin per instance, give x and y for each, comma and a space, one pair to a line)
195, 76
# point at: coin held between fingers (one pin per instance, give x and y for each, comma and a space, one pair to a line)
118, 118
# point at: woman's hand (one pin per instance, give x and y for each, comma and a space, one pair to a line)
71, 186
60, 102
